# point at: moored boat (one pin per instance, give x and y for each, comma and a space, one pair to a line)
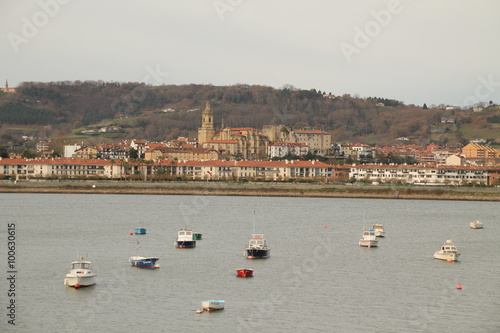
185, 239
81, 274
244, 272
379, 230
144, 262
368, 239
477, 224
257, 247
448, 252
213, 305
140, 231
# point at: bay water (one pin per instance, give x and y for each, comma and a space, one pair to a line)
318, 279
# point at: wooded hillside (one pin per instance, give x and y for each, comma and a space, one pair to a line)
63, 109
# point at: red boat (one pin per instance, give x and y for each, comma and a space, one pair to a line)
244, 272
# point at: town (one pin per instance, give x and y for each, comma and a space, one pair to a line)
274, 153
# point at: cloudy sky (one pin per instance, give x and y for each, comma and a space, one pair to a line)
428, 51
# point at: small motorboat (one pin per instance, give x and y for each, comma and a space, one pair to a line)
477, 224
140, 231
197, 235
448, 252
257, 248
379, 230
244, 272
213, 305
144, 262
368, 239
185, 239
81, 274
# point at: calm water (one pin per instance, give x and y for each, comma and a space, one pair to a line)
317, 279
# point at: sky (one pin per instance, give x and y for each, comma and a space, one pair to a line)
429, 51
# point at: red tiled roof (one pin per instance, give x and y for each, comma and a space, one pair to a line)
55, 161
312, 132
221, 141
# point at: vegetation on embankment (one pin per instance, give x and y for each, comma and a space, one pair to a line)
277, 190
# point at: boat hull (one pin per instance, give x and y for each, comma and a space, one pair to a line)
258, 253
79, 281
140, 231
144, 262
476, 225
446, 256
185, 244
368, 243
213, 305
244, 272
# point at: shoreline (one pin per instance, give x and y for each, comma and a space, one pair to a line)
255, 189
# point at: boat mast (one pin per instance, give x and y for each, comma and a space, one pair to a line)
253, 230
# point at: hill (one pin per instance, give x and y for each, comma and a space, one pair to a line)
110, 111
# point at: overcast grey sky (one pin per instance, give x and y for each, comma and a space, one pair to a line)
430, 51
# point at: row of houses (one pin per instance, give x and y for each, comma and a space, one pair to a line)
250, 170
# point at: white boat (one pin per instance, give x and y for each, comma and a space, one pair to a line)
379, 230
257, 247
368, 239
213, 305
477, 225
448, 252
185, 239
81, 274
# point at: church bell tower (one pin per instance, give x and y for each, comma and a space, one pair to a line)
206, 131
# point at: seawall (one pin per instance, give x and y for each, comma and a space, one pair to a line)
256, 189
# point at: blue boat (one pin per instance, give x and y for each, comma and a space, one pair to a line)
144, 262
140, 231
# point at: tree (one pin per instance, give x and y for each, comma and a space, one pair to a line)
3, 152
425, 107
134, 154
28, 154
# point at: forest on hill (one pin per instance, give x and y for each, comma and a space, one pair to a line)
60, 111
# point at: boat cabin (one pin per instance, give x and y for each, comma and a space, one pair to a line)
449, 248
185, 235
257, 241
80, 265
370, 232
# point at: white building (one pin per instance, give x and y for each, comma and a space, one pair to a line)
69, 150
420, 175
281, 149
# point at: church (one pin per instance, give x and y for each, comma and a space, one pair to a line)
7, 89
243, 143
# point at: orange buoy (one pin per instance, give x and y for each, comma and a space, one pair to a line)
459, 286
324, 226
250, 257
449, 260
131, 233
